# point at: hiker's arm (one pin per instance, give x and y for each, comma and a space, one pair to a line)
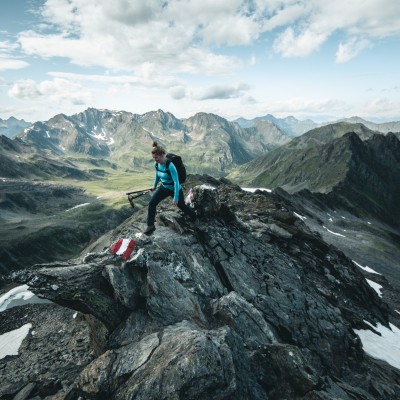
156, 180
177, 186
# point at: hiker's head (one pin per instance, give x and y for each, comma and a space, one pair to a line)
158, 152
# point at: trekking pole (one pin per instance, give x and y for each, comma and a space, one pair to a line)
141, 193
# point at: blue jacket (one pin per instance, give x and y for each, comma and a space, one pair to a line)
169, 182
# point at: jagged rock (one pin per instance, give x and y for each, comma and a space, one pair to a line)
78, 286
180, 359
245, 303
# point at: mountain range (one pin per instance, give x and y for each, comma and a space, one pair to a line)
349, 161
211, 144
354, 166
11, 126
294, 127
268, 295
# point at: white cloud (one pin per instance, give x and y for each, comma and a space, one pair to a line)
58, 90
131, 12
296, 105
351, 49
89, 34
123, 34
234, 30
186, 35
282, 16
247, 99
161, 52
144, 78
12, 63
222, 92
291, 45
24, 89
381, 107
178, 92
7, 47
7, 61
313, 22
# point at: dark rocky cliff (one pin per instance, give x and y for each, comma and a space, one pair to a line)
246, 303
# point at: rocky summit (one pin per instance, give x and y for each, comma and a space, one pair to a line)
245, 303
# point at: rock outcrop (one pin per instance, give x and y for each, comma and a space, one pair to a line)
245, 303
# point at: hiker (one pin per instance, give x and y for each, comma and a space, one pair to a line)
170, 186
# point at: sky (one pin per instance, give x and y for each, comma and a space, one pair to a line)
236, 58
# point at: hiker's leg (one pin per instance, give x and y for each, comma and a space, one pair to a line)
182, 205
159, 195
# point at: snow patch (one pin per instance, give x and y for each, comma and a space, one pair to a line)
385, 347
252, 190
333, 233
137, 255
367, 269
300, 216
19, 296
376, 286
10, 342
207, 187
79, 205
19, 292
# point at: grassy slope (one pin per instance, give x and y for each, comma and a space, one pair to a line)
36, 227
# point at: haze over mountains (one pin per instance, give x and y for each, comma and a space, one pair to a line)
11, 126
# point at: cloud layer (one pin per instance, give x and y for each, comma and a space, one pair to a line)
188, 50
185, 36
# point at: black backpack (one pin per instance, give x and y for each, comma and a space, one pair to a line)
180, 167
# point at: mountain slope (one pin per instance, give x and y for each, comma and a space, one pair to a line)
384, 127
42, 222
286, 157
246, 304
11, 126
295, 127
19, 159
363, 174
372, 182
290, 125
267, 135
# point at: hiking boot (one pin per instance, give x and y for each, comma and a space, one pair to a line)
149, 230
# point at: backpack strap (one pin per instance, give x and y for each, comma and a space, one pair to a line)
166, 168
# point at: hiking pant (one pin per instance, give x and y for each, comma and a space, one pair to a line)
159, 195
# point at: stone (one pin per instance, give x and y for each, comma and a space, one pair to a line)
248, 303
